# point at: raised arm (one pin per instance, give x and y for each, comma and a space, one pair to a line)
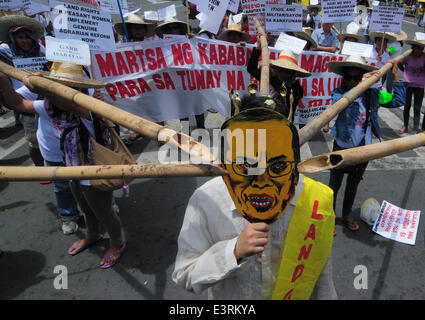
12, 99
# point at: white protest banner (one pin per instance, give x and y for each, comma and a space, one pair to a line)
338, 10
195, 74
11, 4
233, 6
34, 63
281, 17
357, 49
215, 13
318, 87
253, 6
295, 44
83, 22
111, 6
386, 19
397, 224
67, 50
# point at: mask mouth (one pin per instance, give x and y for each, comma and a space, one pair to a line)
260, 202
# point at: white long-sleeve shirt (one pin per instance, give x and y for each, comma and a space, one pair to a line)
206, 244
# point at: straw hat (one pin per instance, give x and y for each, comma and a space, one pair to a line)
160, 29
69, 74
342, 36
351, 61
415, 42
305, 36
134, 18
399, 36
384, 35
8, 22
234, 28
289, 60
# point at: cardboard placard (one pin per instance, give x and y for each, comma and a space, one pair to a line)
33, 63
67, 50
386, 19
281, 17
397, 224
357, 49
82, 22
338, 10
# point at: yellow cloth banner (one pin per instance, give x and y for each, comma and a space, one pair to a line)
308, 243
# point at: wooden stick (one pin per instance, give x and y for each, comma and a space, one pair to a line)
135, 123
265, 62
348, 157
187, 16
309, 130
18, 173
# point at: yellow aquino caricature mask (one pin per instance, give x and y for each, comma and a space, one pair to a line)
262, 174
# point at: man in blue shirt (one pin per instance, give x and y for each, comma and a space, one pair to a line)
325, 38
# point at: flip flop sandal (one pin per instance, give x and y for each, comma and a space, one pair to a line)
82, 247
108, 257
352, 225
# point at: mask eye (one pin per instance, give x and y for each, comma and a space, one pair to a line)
278, 167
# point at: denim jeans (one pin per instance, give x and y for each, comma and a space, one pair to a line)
65, 201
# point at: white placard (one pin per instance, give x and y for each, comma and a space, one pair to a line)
397, 224
233, 6
32, 7
167, 13
338, 10
386, 19
34, 63
67, 50
286, 41
237, 18
375, 3
357, 49
253, 6
86, 23
151, 15
11, 4
281, 17
111, 6
352, 27
420, 36
201, 5
216, 11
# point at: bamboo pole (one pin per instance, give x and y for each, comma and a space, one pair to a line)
265, 62
187, 16
135, 123
17, 173
308, 131
352, 156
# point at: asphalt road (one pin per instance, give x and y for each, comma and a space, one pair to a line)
152, 215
